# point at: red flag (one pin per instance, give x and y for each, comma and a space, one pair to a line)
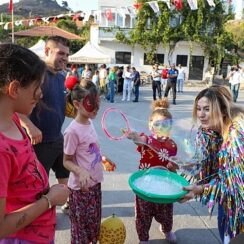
10, 6
178, 4
109, 15
137, 5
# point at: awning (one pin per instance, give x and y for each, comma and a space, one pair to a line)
48, 31
39, 48
90, 54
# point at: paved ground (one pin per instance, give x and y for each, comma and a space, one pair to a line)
191, 220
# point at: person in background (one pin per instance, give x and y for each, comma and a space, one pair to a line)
87, 73
127, 84
44, 124
112, 78
160, 124
120, 79
171, 83
137, 82
80, 70
221, 139
156, 82
102, 78
164, 76
73, 71
27, 203
95, 78
234, 77
180, 78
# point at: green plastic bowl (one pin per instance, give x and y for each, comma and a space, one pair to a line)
151, 197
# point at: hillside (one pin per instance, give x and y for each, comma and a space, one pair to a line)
27, 8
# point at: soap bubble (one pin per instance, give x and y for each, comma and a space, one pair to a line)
190, 155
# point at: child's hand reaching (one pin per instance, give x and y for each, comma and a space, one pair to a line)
135, 137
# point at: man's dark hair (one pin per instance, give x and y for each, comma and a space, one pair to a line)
59, 39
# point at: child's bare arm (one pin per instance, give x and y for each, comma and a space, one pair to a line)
83, 174
12, 222
136, 138
33, 132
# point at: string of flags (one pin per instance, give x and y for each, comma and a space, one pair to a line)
171, 4
108, 13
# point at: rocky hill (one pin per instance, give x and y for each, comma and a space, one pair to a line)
33, 8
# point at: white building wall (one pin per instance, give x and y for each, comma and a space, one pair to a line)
239, 8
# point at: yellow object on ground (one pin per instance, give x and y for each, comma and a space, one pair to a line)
112, 231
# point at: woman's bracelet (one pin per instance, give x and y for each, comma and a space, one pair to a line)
48, 200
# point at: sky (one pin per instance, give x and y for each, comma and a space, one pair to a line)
75, 5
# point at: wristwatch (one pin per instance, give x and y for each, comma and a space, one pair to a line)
48, 200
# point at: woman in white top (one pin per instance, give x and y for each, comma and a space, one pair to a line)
234, 77
180, 78
127, 83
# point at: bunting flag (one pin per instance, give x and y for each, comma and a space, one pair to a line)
211, 3
132, 11
123, 11
10, 6
179, 4
154, 6
192, 4
138, 5
108, 14
167, 2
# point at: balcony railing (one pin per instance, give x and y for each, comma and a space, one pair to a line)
110, 32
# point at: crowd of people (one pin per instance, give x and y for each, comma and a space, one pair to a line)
172, 78
33, 97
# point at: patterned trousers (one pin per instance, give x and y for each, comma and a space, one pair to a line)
145, 211
85, 215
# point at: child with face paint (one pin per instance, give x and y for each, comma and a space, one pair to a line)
82, 157
154, 150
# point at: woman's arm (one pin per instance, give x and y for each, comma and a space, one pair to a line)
193, 191
12, 222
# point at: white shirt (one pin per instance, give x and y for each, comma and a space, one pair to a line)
236, 78
102, 73
181, 74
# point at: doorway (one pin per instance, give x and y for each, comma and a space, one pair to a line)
196, 69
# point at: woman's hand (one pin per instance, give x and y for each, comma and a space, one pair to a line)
193, 190
58, 194
172, 166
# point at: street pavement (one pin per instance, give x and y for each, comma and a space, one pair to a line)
192, 223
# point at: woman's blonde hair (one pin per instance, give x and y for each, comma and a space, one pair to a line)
221, 108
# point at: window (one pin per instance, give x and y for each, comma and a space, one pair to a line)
158, 58
181, 59
123, 57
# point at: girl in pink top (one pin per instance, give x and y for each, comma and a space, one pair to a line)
27, 212
82, 157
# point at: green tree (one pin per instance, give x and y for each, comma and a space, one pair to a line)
204, 26
236, 31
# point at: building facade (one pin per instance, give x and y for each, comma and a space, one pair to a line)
239, 9
122, 54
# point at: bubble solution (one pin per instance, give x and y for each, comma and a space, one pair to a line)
158, 185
